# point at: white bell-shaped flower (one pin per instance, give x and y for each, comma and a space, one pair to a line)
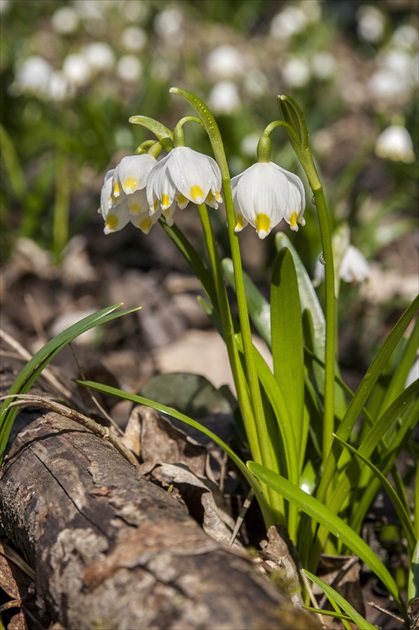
354, 267
184, 175
123, 197
264, 194
395, 143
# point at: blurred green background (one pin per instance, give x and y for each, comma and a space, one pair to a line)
73, 72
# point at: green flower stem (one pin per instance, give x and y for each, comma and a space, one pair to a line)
330, 317
256, 422
257, 434
229, 332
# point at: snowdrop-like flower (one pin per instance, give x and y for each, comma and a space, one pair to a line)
65, 20
123, 197
288, 22
264, 194
354, 267
77, 70
134, 39
395, 143
129, 68
33, 76
371, 24
224, 98
184, 175
100, 56
296, 72
225, 62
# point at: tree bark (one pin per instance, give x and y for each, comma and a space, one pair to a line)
112, 550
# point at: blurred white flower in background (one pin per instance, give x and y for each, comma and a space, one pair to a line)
129, 68
224, 98
65, 20
100, 56
294, 18
77, 70
256, 83
225, 62
406, 36
288, 22
371, 24
395, 143
385, 85
249, 144
136, 11
4, 6
168, 24
134, 38
296, 72
323, 65
33, 76
354, 267
59, 88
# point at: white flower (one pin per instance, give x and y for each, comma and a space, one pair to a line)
395, 144
34, 76
353, 268
184, 175
65, 20
168, 24
224, 98
264, 194
288, 22
323, 65
296, 72
371, 24
76, 69
123, 196
134, 38
129, 68
225, 62
100, 56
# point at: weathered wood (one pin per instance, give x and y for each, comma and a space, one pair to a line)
112, 550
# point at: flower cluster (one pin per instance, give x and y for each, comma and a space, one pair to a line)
141, 189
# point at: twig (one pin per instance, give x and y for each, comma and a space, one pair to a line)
386, 612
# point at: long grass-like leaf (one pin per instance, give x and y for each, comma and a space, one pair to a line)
335, 525
392, 495
340, 601
43, 357
361, 396
287, 337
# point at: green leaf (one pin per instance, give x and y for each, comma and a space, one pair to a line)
287, 337
364, 390
340, 601
321, 514
42, 358
391, 493
141, 400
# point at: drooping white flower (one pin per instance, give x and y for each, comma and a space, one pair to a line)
296, 72
123, 197
184, 175
77, 70
33, 76
395, 143
264, 194
354, 267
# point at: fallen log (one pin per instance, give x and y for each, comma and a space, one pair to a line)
112, 550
